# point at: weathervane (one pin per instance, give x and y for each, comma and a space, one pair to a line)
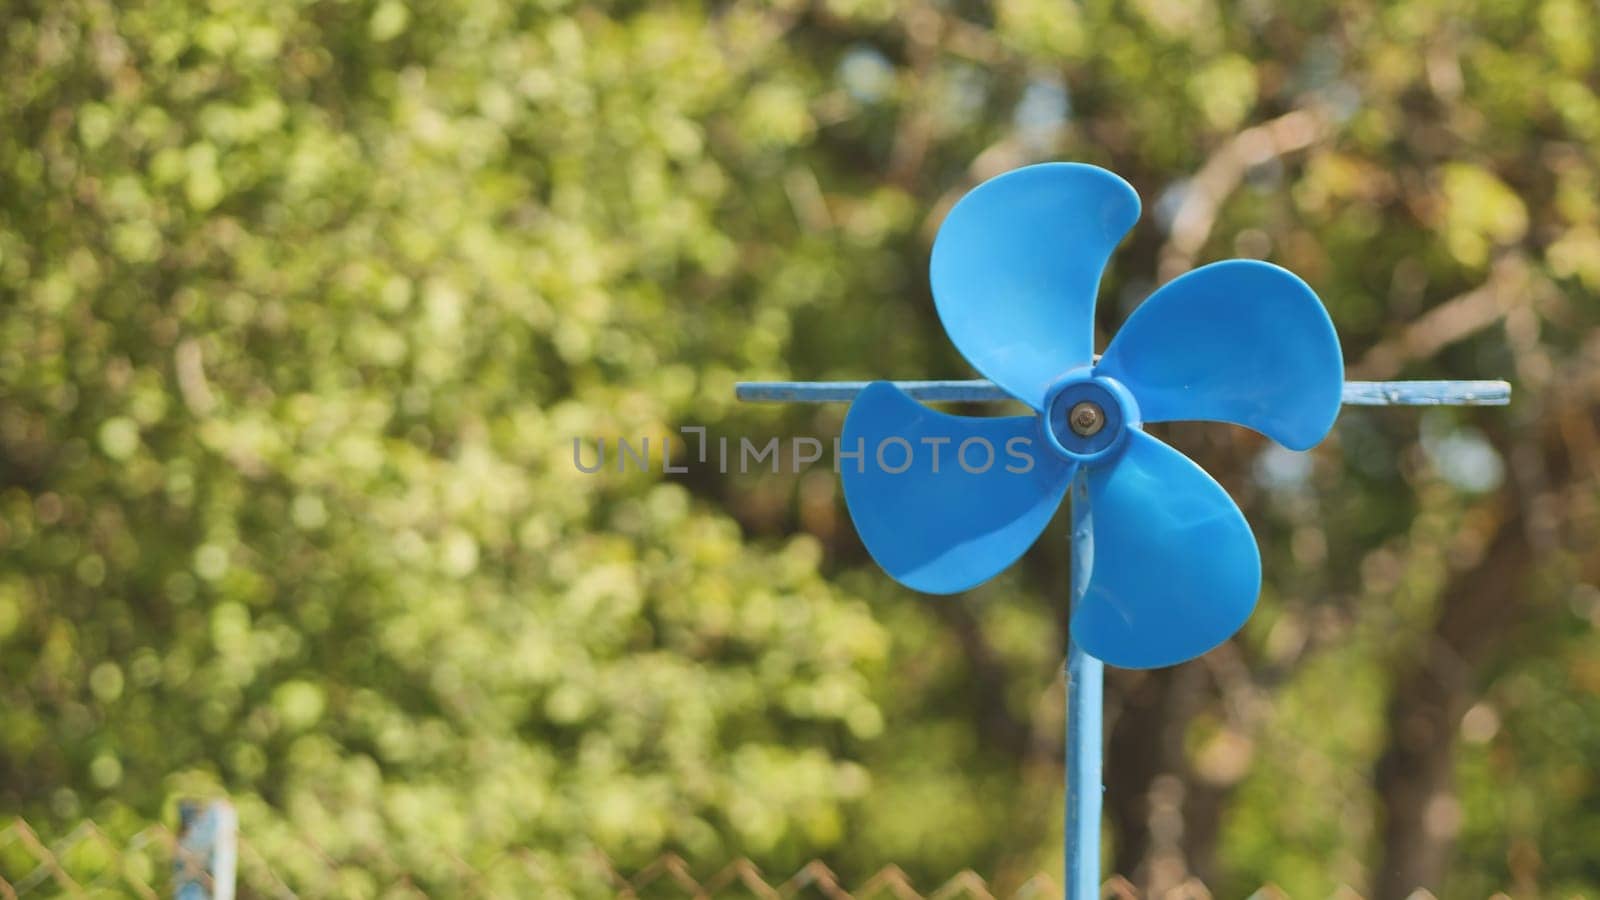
1164, 565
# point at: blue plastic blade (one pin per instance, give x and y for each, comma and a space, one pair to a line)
958, 513
1016, 267
1172, 568
1240, 341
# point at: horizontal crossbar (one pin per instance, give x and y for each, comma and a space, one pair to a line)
1356, 393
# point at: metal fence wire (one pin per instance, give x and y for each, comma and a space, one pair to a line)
157, 862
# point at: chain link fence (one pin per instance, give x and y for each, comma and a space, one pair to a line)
158, 862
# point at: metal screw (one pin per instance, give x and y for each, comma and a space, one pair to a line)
1086, 419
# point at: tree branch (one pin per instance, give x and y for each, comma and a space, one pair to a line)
1222, 173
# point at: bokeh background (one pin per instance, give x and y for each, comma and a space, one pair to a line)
302, 305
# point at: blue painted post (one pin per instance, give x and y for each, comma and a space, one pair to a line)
1085, 787
1085, 694
208, 851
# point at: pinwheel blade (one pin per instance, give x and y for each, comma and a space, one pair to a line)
1240, 341
1016, 267
945, 502
1172, 568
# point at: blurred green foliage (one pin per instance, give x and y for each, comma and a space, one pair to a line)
303, 303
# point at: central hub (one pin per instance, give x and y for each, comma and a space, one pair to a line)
1086, 417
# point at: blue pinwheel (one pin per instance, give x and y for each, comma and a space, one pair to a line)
1169, 567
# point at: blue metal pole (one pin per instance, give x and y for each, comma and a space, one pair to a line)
1085, 732
207, 852
1085, 789
1356, 393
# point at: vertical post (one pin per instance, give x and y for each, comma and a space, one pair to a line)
1085, 676
208, 851
1085, 698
